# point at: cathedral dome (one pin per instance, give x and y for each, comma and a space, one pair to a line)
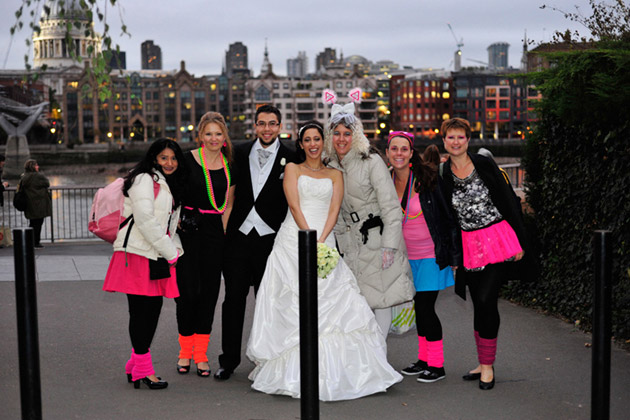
64, 9
50, 47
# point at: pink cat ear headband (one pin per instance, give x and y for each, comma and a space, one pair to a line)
339, 112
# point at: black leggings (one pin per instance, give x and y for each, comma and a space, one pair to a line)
484, 289
199, 282
427, 322
144, 313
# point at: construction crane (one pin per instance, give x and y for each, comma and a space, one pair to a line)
457, 58
478, 61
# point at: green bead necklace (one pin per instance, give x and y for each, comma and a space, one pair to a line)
209, 188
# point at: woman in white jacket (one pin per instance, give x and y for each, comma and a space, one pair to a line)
369, 228
146, 250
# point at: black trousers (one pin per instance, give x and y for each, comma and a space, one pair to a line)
36, 225
427, 322
244, 267
144, 313
484, 287
199, 282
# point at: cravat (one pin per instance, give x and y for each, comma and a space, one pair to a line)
263, 156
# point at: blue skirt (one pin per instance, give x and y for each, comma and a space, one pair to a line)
427, 275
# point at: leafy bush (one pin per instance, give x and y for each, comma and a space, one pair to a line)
578, 180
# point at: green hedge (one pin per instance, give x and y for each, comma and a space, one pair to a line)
578, 181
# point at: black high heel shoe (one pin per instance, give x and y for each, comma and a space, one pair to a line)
182, 370
129, 378
152, 385
487, 385
204, 373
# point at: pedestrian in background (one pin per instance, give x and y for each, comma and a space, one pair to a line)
206, 207
146, 250
38, 202
492, 233
432, 155
431, 236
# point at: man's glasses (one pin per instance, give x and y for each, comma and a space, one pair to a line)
270, 124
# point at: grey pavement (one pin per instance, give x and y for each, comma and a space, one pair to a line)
543, 366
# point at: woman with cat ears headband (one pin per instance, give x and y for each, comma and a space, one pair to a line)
368, 230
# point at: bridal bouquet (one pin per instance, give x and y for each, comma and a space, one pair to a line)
327, 259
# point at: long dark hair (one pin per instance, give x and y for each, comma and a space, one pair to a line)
148, 165
301, 155
424, 172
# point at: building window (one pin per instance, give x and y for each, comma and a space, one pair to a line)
349, 85
289, 105
289, 126
339, 85
460, 92
276, 85
285, 85
262, 94
491, 104
504, 92
289, 116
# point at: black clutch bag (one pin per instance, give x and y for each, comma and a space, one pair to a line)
159, 269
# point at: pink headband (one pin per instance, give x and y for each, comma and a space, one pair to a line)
409, 136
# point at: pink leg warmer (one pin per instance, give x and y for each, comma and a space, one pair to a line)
143, 366
131, 362
486, 350
435, 353
422, 348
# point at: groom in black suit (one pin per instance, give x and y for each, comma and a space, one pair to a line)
258, 211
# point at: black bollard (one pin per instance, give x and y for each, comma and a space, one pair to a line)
28, 342
600, 386
309, 342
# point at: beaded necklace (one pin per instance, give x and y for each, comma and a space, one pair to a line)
209, 188
409, 192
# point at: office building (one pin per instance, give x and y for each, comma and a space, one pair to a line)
498, 56
297, 67
151, 56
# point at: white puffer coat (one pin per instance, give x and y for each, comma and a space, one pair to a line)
368, 189
151, 214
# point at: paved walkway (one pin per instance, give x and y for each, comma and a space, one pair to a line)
543, 364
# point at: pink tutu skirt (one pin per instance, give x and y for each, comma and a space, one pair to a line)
490, 245
133, 277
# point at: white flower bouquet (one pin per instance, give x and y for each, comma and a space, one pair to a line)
327, 259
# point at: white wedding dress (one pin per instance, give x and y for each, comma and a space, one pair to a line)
352, 351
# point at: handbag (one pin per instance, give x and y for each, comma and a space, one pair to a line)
403, 318
159, 269
19, 199
5, 236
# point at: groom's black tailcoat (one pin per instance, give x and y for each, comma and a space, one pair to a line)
247, 255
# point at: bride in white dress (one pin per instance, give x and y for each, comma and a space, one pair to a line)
352, 350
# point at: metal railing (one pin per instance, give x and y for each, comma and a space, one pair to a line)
71, 209
70, 213
515, 172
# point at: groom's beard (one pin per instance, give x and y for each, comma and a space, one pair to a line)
267, 143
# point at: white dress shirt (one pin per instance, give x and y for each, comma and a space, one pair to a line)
259, 178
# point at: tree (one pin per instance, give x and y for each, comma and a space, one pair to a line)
99, 66
577, 169
608, 22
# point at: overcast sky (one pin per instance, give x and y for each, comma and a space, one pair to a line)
409, 32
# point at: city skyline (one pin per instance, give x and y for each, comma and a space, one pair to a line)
414, 35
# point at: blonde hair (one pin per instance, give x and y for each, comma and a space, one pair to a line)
215, 117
